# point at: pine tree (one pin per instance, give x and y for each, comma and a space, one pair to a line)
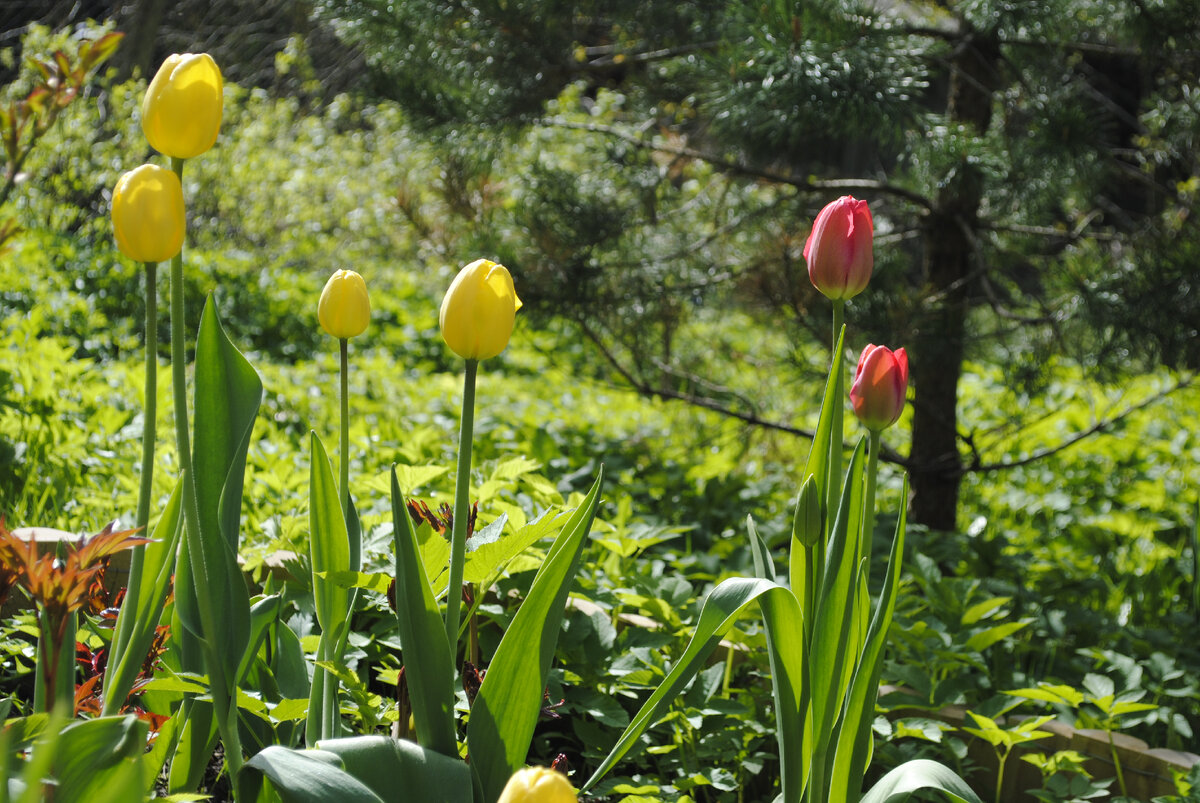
1033, 166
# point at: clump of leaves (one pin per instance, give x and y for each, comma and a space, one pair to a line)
59, 581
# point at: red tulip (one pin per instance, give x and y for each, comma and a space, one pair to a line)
838, 250
880, 382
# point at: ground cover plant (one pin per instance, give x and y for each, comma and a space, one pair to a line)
669, 531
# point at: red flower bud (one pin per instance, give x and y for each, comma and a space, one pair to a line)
838, 250
880, 382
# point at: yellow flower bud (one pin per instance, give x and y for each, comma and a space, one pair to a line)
148, 215
181, 113
478, 311
538, 785
344, 309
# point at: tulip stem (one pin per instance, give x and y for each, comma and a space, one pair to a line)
868, 517
835, 441
149, 433
462, 493
344, 441
224, 708
149, 400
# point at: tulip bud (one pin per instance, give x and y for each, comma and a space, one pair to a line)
148, 215
344, 309
838, 250
478, 311
806, 526
880, 382
181, 113
538, 785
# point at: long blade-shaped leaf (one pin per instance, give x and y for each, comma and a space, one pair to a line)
428, 665
783, 617
329, 544
227, 395
897, 785
817, 465
834, 624
721, 608
854, 738
143, 605
506, 709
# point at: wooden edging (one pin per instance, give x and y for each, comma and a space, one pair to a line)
1148, 771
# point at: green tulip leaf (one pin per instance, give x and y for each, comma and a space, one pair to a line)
228, 393
783, 617
853, 749
302, 776
506, 709
142, 608
428, 665
900, 783
329, 542
399, 771
100, 760
722, 607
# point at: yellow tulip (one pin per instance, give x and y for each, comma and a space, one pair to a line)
344, 309
478, 311
148, 215
538, 785
181, 113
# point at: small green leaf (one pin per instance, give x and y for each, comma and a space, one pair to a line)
983, 609
982, 640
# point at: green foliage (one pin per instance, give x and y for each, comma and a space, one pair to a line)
1096, 541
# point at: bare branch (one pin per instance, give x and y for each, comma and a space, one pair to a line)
1099, 426
740, 168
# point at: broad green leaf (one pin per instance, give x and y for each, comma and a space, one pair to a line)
100, 760
721, 608
228, 393
853, 751
784, 622
302, 776
506, 709
424, 775
428, 663
900, 783
142, 607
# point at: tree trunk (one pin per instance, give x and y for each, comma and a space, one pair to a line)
936, 465
140, 20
